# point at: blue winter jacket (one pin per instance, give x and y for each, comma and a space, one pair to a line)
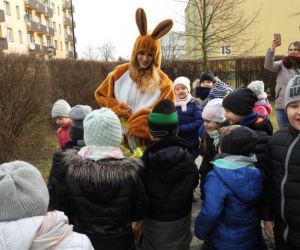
228, 217
189, 123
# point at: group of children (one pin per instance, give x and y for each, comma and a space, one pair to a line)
247, 175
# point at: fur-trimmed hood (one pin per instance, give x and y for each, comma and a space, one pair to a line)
103, 176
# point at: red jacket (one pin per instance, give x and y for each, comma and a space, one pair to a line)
63, 135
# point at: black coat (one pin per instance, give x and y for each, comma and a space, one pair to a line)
102, 198
281, 196
170, 177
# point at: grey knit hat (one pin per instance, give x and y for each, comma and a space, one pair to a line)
292, 92
78, 113
102, 127
23, 192
60, 108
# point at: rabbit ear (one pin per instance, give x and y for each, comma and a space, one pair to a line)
162, 28
141, 21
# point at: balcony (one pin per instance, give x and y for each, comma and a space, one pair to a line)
67, 21
40, 8
49, 12
34, 48
51, 51
66, 5
71, 54
3, 43
30, 4
2, 16
42, 29
50, 31
32, 26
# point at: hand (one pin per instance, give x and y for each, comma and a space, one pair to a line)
269, 228
128, 110
276, 43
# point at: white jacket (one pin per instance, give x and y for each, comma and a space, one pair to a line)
18, 235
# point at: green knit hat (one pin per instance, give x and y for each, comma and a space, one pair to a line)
163, 120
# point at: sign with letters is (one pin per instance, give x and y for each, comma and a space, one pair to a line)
225, 50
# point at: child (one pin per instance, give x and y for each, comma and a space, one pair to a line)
281, 196
203, 85
102, 191
170, 177
228, 216
213, 116
58, 169
60, 112
262, 106
189, 114
238, 107
24, 221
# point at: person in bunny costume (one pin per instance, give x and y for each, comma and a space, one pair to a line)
133, 88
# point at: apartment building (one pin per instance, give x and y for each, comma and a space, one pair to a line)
274, 17
42, 28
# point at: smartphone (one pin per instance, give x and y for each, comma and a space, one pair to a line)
277, 37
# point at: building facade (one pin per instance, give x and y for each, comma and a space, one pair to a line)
272, 17
43, 28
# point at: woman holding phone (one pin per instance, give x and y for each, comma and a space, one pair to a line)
286, 69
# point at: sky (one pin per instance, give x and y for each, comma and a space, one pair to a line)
101, 21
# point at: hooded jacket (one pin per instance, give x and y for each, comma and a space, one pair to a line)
103, 197
228, 216
170, 176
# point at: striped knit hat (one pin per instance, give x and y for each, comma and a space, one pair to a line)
163, 120
219, 90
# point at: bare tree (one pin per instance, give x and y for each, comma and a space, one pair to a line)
215, 27
172, 45
107, 51
91, 54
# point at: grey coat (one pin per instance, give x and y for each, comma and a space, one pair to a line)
284, 75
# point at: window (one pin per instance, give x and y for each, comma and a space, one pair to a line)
53, 7
58, 13
7, 8
55, 43
59, 27
61, 46
54, 26
18, 11
10, 35
30, 38
20, 37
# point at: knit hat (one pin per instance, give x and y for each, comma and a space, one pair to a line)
60, 108
23, 192
258, 87
238, 141
207, 75
184, 81
219, 90
163, 120
240, 101
213, 111
77, 115
102, 127
292, 92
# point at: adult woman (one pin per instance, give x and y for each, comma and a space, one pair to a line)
286, 69
133, 88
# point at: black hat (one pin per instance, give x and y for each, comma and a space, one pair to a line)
239, 141
163, 120
207, 75
240, 101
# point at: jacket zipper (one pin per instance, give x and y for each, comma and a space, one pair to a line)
286, 167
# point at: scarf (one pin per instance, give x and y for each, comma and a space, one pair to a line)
53, 230
215, 135
100, 152
183, 102
202, 92
292, 62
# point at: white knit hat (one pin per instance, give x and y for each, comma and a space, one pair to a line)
23, 192
102, 127
184, 81
213, 111
61, 108
258, 87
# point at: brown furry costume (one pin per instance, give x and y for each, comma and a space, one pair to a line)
147, 80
